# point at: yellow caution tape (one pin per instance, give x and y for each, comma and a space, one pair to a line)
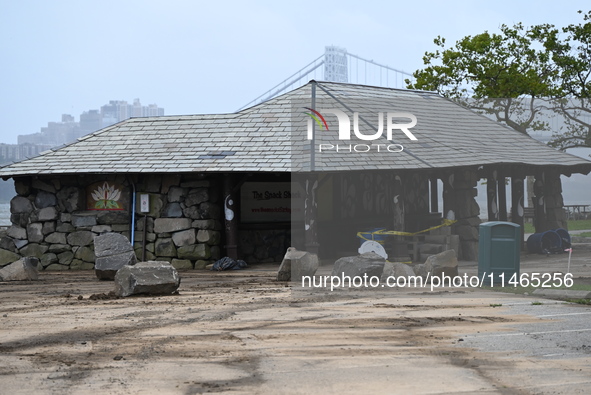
445, 222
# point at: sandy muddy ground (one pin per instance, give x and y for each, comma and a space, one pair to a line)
242, 332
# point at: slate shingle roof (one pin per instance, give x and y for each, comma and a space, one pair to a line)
270, 137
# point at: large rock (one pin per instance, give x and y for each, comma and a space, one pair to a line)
56, 238
83, 220
211, 237
184, 237
172, 210
33, 249
6, 243
194, 252
369, 263
175, 194
296, 264
80, 238
152, 278
197, 196
20, 204
45, 199
395, 270
7, 256
112, 251
443, 263
35, 232
69, 199
25, 269
423, 269
16, 232
165, 247
46, 214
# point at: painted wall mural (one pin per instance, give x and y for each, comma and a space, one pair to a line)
103, 195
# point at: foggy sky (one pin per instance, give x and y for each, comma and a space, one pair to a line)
191, 57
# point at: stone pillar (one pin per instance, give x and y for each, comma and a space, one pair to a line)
459, 204
231, 217
311, 214
555, 215
517, 203
539, 201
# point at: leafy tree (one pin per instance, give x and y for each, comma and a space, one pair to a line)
571, 54
519, 77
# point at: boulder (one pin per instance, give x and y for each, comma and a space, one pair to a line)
152, 278
296, 264
20, 204
423, 269
396, 269
25, 269
368, 263
112, 251
7, 256
444, 262
106, 267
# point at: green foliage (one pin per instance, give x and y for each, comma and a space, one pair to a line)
517, 75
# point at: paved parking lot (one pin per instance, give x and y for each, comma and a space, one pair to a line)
243, 332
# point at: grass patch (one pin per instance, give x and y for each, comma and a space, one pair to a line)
580, 224
536, 303
584, 234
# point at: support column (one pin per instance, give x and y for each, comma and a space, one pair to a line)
502, 196
459, 191
449, 197
555, 215
491, 195
517, 203
231, 217
311, 214
540, 203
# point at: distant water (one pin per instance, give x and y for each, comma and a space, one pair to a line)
4, 214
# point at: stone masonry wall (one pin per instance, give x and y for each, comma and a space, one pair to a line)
50, 221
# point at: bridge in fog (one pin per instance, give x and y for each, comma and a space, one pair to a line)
338, 65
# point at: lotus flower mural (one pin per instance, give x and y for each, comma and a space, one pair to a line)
106, 197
